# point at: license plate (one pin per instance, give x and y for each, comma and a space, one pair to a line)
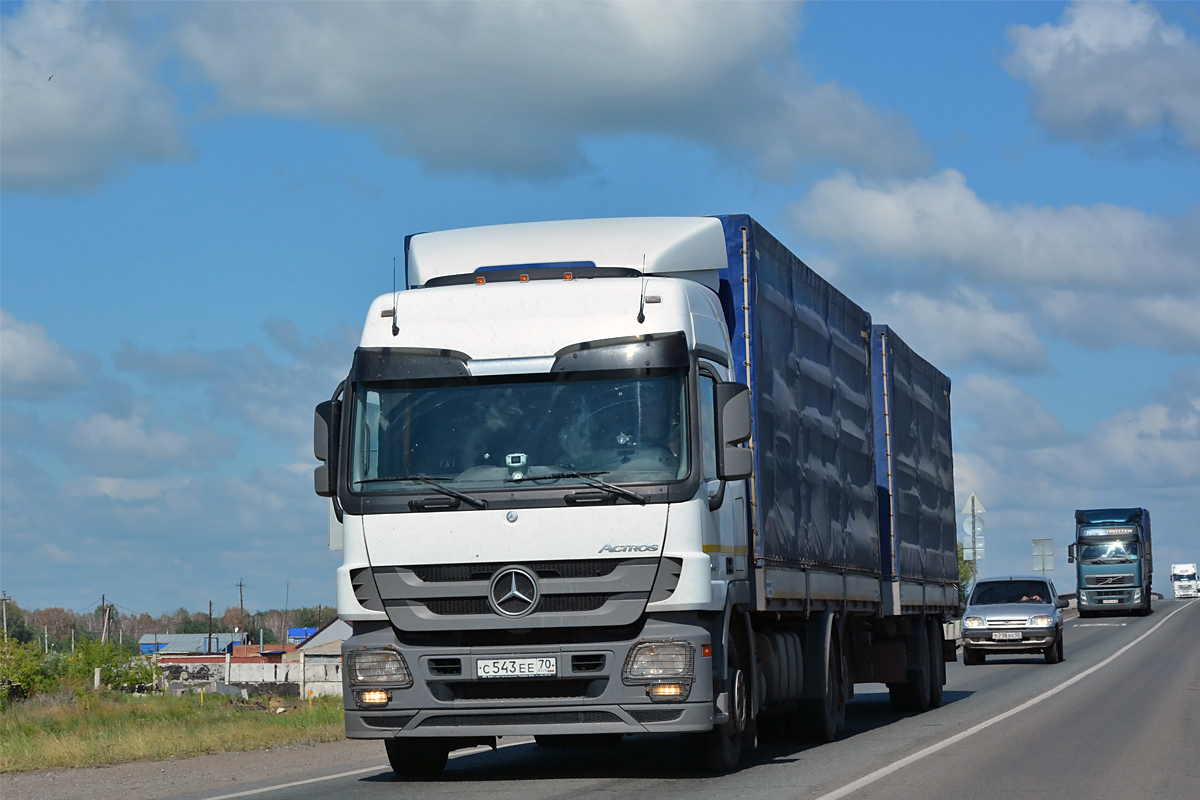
1108, 601
1006, 636
517, 667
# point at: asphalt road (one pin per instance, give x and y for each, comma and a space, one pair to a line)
1119, 719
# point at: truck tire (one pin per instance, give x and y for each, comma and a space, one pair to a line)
721, 748
937, 664
417, 758
913, 694
822, 719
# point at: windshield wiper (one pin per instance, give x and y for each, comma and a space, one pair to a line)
474, 502
587, 477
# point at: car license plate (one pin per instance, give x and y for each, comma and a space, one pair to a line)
1006, 636
1109, 600
546, 667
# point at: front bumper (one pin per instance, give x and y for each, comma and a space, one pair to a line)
588, 695
1033, 640
1110, 599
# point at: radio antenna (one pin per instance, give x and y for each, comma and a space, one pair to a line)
395, 299
641, 317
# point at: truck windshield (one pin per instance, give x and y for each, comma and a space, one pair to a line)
505, 432
1109, 553
1184, 576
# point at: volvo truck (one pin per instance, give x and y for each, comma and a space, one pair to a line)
1114, 565
1184, 582
599, 478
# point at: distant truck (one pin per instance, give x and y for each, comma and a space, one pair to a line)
1114, 566
1184, 581
628, 476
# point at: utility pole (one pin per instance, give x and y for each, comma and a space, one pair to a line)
104, 628
241, 604
208, 641
4, 599
287, 596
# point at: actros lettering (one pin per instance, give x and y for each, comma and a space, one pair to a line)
629, 548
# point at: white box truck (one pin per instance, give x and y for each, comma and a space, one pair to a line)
1184, 581
627, 476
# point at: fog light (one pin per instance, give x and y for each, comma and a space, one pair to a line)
373, 697
668, 691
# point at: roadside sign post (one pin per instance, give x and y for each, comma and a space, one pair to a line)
973, 528
1043, 555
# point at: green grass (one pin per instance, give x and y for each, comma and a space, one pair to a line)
90, 730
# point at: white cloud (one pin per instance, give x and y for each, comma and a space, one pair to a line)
963, 327
1078, 270
1111, 70
81, 98
32, 365
136, 446
513, 88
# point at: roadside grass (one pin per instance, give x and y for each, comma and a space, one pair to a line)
87, 730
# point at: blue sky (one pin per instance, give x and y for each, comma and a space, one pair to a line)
199, 205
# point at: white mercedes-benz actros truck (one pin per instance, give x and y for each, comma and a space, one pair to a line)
597, 478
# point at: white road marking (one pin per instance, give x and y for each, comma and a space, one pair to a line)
365, 770
1100, 625
870, 778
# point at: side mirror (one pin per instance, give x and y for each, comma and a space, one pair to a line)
1063, 603
1070, 554
733, 427
326, 423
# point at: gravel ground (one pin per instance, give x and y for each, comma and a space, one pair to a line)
218, 773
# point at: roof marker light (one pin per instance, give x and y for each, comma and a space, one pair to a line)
479, 279
568, 276
524, 277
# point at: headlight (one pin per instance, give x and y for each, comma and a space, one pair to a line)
378, 667
974, 622
656, 661
1040, 621
1137, 595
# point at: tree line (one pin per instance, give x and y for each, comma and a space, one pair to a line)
61, 628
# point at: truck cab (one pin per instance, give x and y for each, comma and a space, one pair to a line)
1184, 582
1114, 561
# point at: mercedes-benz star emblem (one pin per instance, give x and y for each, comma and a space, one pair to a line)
513, 592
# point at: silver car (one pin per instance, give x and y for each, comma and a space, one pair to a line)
1014, 614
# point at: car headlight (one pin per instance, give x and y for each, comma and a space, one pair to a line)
1040, 621
378, 667
656, 661
974, 622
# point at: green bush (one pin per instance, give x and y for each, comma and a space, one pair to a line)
25, 670
38, 673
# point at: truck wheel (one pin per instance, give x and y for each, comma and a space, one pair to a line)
937, 664
913, 694
721, 748
417, 758
821, 719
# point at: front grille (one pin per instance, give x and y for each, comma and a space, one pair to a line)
387, 720
549, 604
560, 603
448, 573
519, 689
657, 714
1007, 623
450, 606
1125, 579
529, 718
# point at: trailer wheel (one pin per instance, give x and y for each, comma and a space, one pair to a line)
417, 758
913, 694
